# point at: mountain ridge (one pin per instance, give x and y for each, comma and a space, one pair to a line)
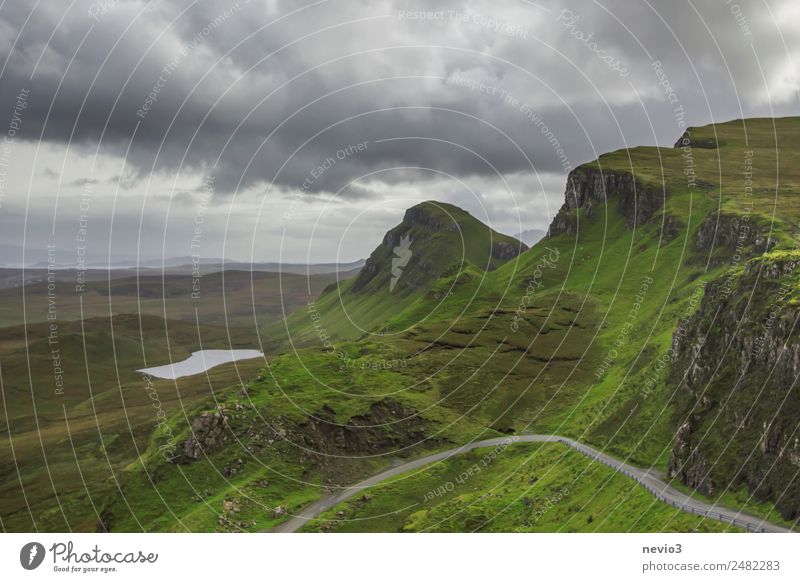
594, 333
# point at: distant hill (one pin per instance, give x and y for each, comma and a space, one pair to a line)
214, 265
174, 264
232, 297
14, 276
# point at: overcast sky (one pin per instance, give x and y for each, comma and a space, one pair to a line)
237, 125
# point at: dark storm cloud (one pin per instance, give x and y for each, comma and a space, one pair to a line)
256, 92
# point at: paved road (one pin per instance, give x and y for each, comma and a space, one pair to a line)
647, 479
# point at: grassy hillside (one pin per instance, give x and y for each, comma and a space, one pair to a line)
82, 415
598, 332
634, 263
74, 411
528, 488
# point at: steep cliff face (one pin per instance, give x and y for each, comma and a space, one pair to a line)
728, 234
588, 187
736, 362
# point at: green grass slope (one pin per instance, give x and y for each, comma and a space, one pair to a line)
527, 488
594, 333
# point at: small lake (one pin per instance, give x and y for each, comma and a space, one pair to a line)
199, 362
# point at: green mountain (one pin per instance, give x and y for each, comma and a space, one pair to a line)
655, 322
433, 240
437, 249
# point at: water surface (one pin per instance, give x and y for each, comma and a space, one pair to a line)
200, 362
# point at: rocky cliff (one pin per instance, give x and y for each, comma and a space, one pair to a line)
736, 362
589, 186
725, 235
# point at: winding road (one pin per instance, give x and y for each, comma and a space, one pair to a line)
647, 479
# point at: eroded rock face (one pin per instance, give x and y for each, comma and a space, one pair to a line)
736, 362
687, 462
587, 186
209, 432
340, 450
388, 426
734, 234
671, 228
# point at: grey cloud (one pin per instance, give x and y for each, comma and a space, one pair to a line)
83, 182
188, 86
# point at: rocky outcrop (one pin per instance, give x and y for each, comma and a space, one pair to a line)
686, 140
736, 362
421, 215
387, 426
209, 433
730, 234
340, 450
588, 186
672, 226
